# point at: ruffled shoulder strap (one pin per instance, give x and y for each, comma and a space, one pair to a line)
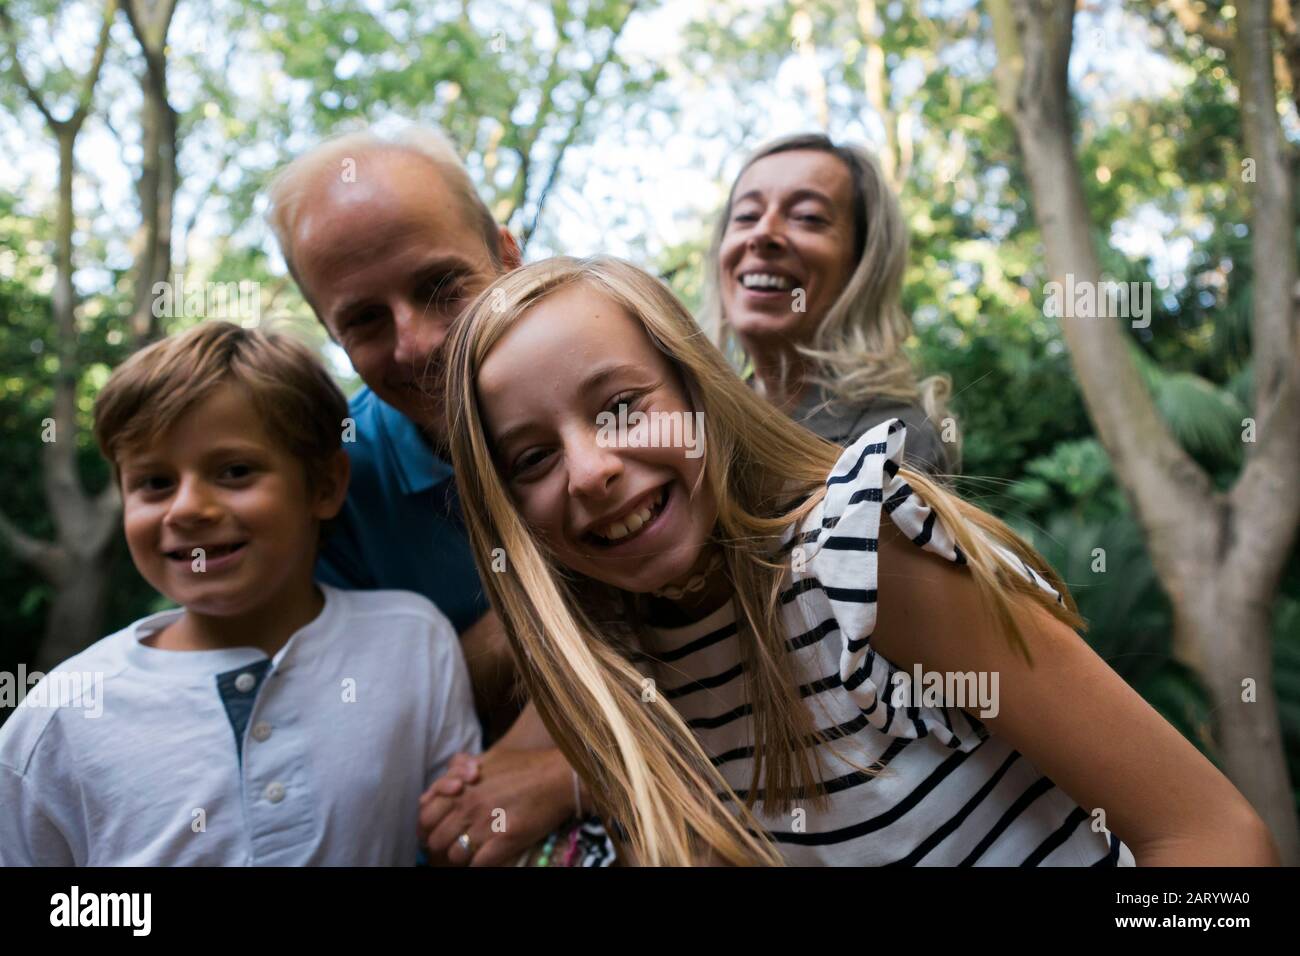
837, 553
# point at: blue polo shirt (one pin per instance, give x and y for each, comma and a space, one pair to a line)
401, 526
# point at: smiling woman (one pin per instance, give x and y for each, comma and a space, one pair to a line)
805, 275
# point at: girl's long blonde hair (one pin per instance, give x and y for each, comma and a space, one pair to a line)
575, 639
856, 353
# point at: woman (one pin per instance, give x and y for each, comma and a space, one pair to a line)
720, 635
805, 273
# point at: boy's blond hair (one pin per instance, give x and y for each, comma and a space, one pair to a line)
300, 405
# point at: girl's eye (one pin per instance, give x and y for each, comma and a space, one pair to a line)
626, 398
236, 472
526, 461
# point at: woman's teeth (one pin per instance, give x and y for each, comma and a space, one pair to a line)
764, 280
630, 524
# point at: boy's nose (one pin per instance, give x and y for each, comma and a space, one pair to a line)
193, 503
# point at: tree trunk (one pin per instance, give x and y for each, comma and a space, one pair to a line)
76, 561
1219, 557
76, 617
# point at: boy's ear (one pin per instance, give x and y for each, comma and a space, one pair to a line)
332, 486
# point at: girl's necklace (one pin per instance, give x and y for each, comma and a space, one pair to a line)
693, 584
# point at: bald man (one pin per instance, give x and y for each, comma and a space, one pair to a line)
389, 242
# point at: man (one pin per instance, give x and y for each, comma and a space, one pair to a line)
389, 242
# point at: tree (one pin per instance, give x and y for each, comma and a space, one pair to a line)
1219, 554
75, 562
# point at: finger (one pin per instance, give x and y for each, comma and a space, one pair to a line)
442, 839
497, 852
466, 766
458, 855
435, 813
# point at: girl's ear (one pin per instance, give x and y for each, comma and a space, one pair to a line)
332, 486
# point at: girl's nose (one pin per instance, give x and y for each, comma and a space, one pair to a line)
592, 467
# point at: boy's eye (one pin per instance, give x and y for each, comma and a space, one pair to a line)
150, 483
237, 471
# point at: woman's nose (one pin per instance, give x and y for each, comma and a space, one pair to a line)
768, 231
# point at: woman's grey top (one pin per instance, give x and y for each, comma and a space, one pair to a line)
843, 423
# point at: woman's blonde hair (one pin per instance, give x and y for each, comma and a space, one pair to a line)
576, 639
857, 350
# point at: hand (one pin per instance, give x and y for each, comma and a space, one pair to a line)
506, 800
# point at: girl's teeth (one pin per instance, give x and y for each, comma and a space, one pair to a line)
633, 522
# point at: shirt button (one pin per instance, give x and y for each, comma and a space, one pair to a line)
245, 682
275, 792
261, 730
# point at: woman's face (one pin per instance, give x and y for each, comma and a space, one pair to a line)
613, 505
787, 252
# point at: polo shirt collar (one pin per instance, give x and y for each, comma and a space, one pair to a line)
418, 468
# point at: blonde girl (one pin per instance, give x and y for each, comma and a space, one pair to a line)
733, 641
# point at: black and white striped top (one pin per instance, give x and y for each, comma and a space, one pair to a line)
946, 793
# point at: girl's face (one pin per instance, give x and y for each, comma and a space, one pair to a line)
787, 252
613, 505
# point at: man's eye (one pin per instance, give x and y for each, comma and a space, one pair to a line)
745, 217
441, 291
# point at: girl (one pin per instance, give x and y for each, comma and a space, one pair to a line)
805, 273
725, 637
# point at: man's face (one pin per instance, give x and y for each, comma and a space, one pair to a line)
389, 261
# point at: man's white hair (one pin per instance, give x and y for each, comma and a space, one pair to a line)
291, 187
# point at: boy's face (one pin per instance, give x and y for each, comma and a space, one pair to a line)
217, 481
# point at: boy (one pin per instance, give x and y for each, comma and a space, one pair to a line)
268, 720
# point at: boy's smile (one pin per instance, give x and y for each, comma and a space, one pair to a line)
217, 515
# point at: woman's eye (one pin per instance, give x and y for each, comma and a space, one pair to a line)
358, 322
